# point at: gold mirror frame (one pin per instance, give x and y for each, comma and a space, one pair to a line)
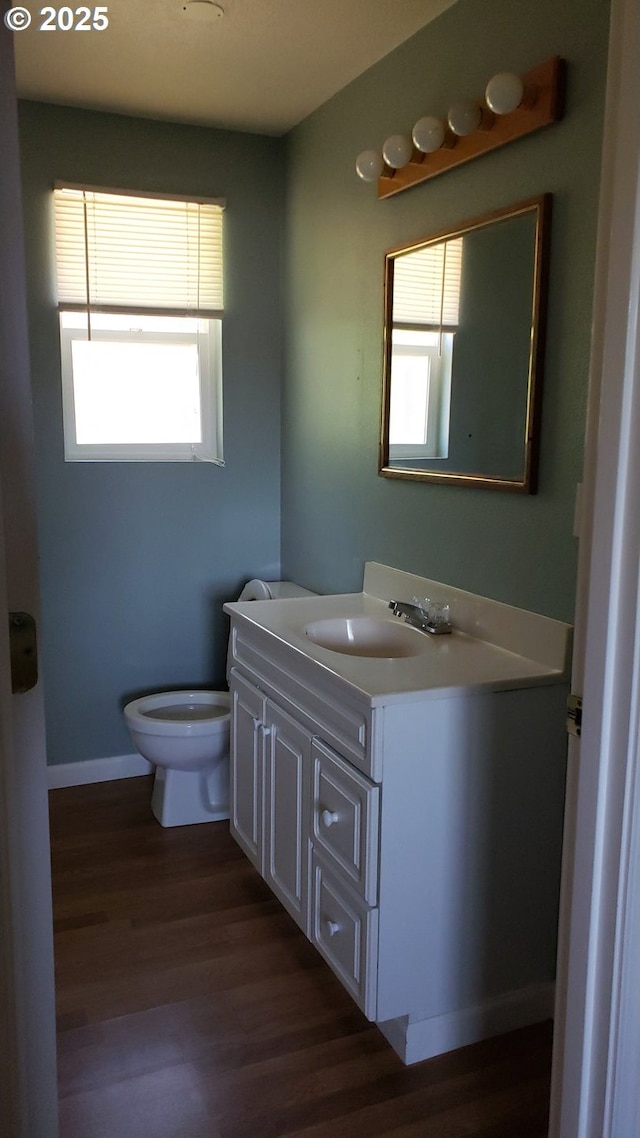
525, 479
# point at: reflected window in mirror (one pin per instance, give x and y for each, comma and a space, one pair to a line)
420, 403
424, 322
464, 319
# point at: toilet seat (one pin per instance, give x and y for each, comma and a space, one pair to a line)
183, 713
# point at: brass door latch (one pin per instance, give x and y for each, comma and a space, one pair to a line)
574, 715
24, 652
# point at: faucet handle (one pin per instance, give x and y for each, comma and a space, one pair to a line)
439, 617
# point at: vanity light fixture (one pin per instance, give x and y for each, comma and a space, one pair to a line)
513, 106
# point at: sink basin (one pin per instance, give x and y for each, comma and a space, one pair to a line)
367, 636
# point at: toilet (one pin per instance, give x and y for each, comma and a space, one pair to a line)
185, 734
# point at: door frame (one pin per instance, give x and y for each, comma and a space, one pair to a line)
597, 1036
29, 1098
595, 1085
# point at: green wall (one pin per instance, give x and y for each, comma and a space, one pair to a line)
138, 558
337, 511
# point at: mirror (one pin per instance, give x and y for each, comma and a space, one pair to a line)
463, 346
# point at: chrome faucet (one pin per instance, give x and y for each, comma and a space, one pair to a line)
424, 619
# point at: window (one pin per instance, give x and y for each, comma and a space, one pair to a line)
426, 299
140, 305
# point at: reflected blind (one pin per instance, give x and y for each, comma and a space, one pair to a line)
426, 285
117, 252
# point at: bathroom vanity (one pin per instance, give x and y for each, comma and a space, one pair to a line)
402, 795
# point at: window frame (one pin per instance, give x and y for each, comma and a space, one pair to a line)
209, 347
79, 303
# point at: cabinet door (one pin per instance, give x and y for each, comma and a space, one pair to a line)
246, 783
286, 813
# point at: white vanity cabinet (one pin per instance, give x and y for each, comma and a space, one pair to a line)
308, 821
414, 836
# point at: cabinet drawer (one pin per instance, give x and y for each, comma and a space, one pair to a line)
345, 820
345, 932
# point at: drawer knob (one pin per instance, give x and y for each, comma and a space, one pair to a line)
332, 927
329, 818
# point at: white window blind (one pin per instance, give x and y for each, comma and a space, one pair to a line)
118, 253
426, 285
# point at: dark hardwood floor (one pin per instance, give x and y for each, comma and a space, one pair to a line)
191, 1006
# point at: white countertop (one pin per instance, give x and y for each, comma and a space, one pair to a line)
449, 662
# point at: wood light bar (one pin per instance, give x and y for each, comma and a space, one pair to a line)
542, 104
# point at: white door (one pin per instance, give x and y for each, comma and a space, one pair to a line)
28, 1095
597, 1036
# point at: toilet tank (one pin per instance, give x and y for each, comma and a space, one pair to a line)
257, 590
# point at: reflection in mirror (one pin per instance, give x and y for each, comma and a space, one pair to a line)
463, 340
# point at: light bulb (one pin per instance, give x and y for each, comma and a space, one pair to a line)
504, 93
464, 118
369, 165
428, 134
397, 151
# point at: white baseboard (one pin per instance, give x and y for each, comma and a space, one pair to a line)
97, 770
428, 1037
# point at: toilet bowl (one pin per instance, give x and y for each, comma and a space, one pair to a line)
185, 734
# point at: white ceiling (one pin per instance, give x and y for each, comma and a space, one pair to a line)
263, 66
